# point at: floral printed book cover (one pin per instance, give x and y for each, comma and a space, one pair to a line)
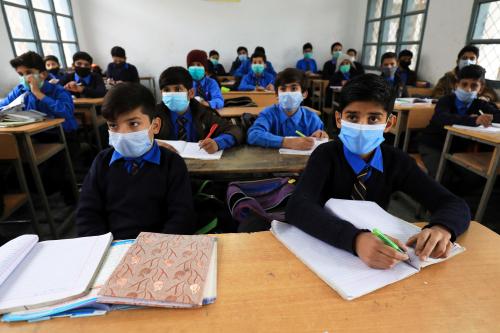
162, 270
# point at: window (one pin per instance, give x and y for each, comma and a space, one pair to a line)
484, 32
43, 26
393, 25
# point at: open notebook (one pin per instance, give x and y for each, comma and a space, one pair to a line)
37, 274
341, 270
165, 271
494, 128
192, 150
82, 306
317, 142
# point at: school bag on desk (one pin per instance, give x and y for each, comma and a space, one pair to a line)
254, 204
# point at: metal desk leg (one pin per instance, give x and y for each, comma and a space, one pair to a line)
97, 134
442, 161
490, 182
406, 141
402, 121
69, 163
24, 187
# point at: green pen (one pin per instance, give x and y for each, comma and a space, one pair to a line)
299, 133
388, 241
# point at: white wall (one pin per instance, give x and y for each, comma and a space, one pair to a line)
159, 33
8, 77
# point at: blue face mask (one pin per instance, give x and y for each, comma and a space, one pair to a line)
290, 101
465, 96
258, 68
197, 72
133, 144
345, 68
242, 57
361, 139
308, 55
465, 62
26, 85
175, 101
336, 54
214, 61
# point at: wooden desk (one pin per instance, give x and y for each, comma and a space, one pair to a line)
86, 109
248, 160
419, 91
410, 117
36, 153
263, 287
226, 80
261, 98
237, 112
318, 88
483, 164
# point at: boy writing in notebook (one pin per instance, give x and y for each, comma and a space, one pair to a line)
184, 118
358, 167
135, 185
276, 125
83, 83
257, 79
462, 107
120, 70
54, 68
206, 89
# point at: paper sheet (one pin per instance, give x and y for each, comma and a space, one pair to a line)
192, 150
495, 128
317, 142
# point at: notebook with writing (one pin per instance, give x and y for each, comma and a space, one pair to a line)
165, 271
192, 150
317, 142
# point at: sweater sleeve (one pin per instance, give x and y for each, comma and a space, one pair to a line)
61, 105
246, 84
98, 89
217, 101
260, 134
445, 117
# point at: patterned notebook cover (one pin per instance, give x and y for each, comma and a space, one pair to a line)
161, 270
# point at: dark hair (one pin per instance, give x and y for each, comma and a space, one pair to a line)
176, 75
474, 72
388, 55
29, 59
468, 48
213, 52
335, 44
125, 97
307, 46
352, 50
291, 75
405, 53
259, 49
242, 48
80, 55
367, 88
118, 51
51, 58
258, 55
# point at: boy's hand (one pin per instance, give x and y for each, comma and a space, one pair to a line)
72, 86
298, 143
270, 87
484, 119
209, 145
319, 134
166, 145
433, 241
373, 252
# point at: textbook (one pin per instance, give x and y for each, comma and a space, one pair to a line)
163, 270
36, 274
192, 150
344, 272
84, 306
19, 118
493, 129
317, 142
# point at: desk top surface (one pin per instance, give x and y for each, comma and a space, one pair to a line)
493, 138
34, 127
87, 101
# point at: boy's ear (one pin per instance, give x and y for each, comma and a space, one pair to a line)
391, 122
338, 117
481, 90
191, 93
156, 125
304, 94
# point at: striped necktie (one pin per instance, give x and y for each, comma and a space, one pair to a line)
181, 128
359, 188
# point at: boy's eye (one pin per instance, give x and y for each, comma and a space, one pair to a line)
373, 119
352, 118
111, 126
134, 123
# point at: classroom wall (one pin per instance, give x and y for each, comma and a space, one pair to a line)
8, 77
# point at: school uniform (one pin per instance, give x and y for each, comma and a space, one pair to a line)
127, 196
246, 67
408, 77
272, 125
235, 65
208, 89
359, 67
217, 70
195, 124
250, 81
329, 69
57, 103
448, 82
56, 76
398, 88
332, 171
123, 72
93, 85
307, 65
336, 80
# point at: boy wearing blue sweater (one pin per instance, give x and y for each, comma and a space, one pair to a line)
257, 79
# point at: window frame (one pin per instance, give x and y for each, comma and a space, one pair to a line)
399, 38
36, 35
470, 35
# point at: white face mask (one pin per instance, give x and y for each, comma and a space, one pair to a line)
133, 144
466, 62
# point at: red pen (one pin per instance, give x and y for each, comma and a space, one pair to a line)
212, 130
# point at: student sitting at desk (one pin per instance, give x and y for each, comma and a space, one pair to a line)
408, 77
207, 90
468, 55
120, 70
344, 71
54, 68
354, 55
307, 64
184, 118
463, 107
330, 66
277, 124
214, 66
241, 58
83, 83
258, 79
135, 185
246, 67
389, 68
358, 167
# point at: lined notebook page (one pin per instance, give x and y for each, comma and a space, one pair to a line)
13, 252
317, 142
192, 150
